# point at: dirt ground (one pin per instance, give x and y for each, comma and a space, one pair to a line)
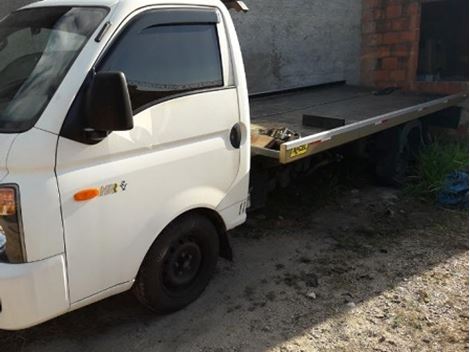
327, 266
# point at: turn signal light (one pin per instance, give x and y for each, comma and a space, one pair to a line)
86, 194
7, 202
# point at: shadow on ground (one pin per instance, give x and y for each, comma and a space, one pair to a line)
321, 248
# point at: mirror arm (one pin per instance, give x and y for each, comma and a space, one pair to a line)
94, 135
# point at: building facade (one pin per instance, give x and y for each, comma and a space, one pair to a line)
419, 45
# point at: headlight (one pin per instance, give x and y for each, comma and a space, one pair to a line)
12, 247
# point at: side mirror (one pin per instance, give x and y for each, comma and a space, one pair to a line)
108, 106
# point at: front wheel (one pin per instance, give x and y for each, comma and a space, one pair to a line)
179, 265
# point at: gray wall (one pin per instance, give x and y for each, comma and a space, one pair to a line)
6, 6
292, 43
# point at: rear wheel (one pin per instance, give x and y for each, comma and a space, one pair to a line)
179, 265
392, 170
399, 150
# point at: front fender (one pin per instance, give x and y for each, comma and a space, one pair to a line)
191, 199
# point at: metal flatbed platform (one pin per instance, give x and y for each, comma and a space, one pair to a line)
358, 111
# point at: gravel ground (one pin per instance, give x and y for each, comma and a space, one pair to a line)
332, 268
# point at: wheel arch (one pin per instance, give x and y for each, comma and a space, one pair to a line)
149, 286
225, 249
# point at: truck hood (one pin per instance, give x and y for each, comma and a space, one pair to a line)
6, 141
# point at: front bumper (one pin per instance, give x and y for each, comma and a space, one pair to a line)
32, 293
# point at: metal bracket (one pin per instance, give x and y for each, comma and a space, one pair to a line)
237, 5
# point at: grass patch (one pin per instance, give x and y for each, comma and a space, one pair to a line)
434, 163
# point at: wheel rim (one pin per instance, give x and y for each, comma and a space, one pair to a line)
182, 265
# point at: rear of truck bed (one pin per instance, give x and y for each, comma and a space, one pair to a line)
332, 115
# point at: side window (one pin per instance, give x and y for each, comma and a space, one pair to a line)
164, 59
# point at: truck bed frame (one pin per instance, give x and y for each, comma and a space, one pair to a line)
332, 115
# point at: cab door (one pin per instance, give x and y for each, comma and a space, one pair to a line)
181, 154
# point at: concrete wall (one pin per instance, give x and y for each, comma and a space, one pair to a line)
6, 6
292, 43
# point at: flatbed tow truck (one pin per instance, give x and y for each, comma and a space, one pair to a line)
128, 150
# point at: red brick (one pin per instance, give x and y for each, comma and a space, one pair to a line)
383, 26
383, 51
413, 9
381, 75
378, 14
447, 88
390, 63
403, 62
400, 24
392, 38
402, 49
393, 11
413, 62
415, 22
411, 36
398, 75
378, 64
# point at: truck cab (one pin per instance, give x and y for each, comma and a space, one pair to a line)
124, 152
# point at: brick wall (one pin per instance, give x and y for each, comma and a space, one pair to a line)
390, 47
390, 42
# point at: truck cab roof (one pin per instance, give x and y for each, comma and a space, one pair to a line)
129, 5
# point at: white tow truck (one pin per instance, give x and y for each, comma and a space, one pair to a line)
126, 153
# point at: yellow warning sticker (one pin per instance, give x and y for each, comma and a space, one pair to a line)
298, 151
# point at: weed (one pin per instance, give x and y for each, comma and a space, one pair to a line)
434, 163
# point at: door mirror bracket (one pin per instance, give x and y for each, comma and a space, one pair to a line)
94, 135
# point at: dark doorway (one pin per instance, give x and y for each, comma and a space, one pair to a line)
443, 47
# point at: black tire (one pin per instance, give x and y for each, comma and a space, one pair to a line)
179, 265
392, 170
393, 167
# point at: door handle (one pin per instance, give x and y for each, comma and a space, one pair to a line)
236, 136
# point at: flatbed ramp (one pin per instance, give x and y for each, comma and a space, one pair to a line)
330, 116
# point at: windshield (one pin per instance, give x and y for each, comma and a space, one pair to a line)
37, 48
